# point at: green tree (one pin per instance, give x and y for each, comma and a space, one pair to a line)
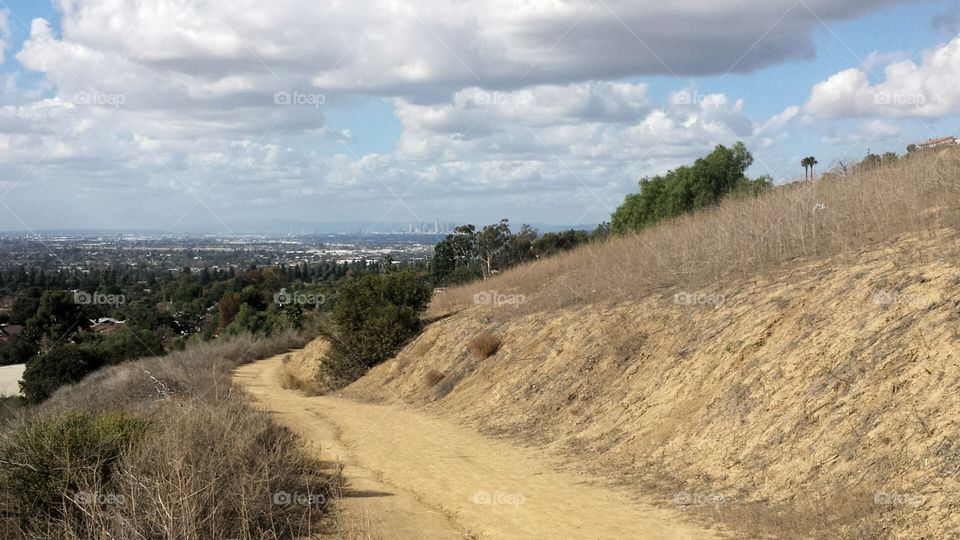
128, 344
65, 364
58, 316
444, 262
375, 315
491, 242
685, 189
248, 319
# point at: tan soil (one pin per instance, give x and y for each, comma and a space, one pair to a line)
414, 476
10, 379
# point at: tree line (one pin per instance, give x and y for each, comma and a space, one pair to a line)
161, 311
468, 254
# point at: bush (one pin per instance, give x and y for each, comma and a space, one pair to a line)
65, 364
46, 460
9, 407
209, 466
374, 317
432, 378
485, 345
216, 471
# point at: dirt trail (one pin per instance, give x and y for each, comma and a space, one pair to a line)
415, 476
10, 379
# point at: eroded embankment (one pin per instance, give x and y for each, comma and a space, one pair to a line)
827, 392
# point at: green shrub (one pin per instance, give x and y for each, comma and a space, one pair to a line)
62, 365
374, 317
47, 459
9, 407
705, 183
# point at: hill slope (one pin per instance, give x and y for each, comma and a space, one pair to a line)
826, 391
786, 364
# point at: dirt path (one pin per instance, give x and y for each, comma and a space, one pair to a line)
10, 379
415, 476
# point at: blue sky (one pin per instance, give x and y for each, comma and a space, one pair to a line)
149, 114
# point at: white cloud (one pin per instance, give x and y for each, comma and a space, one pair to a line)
399, 48
909, 90
872, 131
4, 35
158, 101
779, 121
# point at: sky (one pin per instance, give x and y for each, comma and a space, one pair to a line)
239, 116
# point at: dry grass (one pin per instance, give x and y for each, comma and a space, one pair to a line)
484, 345
209, 465
289, 380
433, 378
738, 238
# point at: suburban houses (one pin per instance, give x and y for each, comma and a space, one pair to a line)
7, 331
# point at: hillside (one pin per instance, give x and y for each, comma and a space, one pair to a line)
805, 387
803, 392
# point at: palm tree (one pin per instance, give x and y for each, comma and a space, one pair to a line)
808, 164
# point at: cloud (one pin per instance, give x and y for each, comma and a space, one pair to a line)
4, 34
149, 105
778, 121
873, 131
947, 22
227, 49
592, 121
909, 90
